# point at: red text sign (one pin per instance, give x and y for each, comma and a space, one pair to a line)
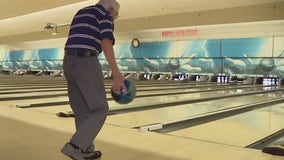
183, 32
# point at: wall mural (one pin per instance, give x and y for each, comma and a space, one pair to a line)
228, 56
34, 60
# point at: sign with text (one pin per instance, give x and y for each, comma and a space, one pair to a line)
180, 33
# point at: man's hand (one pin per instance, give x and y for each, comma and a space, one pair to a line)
118, 84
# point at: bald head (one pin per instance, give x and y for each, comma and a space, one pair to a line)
108, 4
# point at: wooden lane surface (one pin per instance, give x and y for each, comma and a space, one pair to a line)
240, 130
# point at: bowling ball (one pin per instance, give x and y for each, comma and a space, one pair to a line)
125, 97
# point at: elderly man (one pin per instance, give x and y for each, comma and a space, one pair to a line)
91, 32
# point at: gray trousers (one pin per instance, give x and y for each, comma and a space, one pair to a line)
86, 92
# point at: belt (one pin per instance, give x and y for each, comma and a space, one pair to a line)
80, 53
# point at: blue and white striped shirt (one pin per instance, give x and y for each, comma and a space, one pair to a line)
89, 27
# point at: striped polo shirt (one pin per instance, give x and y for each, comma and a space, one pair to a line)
89, 27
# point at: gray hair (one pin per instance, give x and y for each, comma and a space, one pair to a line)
107, 4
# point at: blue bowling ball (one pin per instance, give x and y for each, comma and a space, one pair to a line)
125, 97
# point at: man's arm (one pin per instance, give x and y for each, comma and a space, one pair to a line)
118, 79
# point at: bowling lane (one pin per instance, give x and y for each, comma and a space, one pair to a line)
60, 99
188, 97
27, 98
16, 87
181, 112
240, 130
18, 91
172, 88
140, 85
28, 102
33, 95
38, 93
151, 102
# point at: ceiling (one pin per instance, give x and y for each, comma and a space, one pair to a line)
22, 21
